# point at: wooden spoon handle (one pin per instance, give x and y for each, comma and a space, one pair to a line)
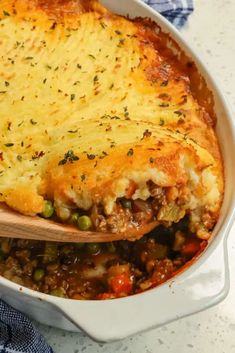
15, 225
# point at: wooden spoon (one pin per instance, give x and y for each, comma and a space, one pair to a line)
15, 225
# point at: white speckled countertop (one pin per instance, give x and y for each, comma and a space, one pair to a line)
211, 31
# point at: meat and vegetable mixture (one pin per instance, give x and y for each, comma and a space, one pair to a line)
99, 271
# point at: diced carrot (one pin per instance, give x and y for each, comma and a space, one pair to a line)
121, 284
190, 248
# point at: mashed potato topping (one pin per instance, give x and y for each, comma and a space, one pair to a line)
93, 109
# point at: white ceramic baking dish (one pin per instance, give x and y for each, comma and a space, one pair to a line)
202, 285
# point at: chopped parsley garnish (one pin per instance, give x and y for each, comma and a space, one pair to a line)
130, 152
72, 97
147, 133
161, 122
83, 177
103, 25
9, 144
90, 156
19, 158
96, 79
179, 113
118, 32
121, 42
126, 113
73, 131
164, 105
7, 83
69, 157
151, 160
33, 122
79, 66
38, 155
92, 56
5, 13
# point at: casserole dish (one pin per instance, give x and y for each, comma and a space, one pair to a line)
187, 285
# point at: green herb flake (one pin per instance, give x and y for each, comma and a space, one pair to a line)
69, 157
19, 158
90, 156
9, 144
161, 122
79, 66
147, 133
92, 56
7, 83
126, 113
121, 42
151, 160
130, 152
103, 25
33, 122
83, 177
5, 13
178, 112
118, 32
96, 79
164, 105
72, 97
73, 131
29, 58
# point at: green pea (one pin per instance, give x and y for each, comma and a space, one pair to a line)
48, 209
84, 223
74, 218
126, 203
58, 292
38, 275
79, 245
111, 247
93, 248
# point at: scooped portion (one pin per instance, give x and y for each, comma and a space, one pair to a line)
100, 127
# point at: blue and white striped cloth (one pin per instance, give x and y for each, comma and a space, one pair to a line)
176, 11
17, 333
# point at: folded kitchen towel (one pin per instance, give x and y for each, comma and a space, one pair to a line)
17, 333
176, 11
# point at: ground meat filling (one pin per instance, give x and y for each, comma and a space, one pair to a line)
99, 271
165, 205
129, 213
